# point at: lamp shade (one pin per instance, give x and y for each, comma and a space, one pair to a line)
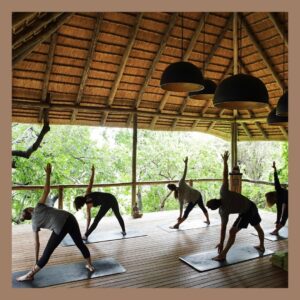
182, 77
283, 105
273, 119
241, 91
207, 93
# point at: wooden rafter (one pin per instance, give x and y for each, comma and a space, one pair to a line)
246, 129
261, 51
98, 109
122, 66
279, 27
185, 58
19, 18
34, 28
21, 52
257, 124
47, 73
89, 60
163, 44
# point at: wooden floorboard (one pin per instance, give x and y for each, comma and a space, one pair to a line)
152, 261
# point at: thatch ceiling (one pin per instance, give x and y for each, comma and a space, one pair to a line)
99, 68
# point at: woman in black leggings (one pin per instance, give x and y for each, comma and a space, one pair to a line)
60, 222
93, 199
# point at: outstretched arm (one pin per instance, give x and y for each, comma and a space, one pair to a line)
89, 188
276, 179
47, 184
37, 245
225, 157
185, 168
163, 202
88, 216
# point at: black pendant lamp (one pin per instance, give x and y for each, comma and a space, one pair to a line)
207, 93
283, 105
241, 91
182, 76
275, 120
209, 86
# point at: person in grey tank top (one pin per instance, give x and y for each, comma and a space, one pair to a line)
60, 222
186, 194
234, 203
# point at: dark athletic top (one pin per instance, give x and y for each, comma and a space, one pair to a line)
232, 203
282, 198
50, 218
99, 198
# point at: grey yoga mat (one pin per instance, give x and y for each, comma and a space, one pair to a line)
203, 261
99, 236
63, 273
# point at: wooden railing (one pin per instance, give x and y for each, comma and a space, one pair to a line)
61, 187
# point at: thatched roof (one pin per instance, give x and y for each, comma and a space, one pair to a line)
99, 68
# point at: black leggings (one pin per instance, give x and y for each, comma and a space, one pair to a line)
191, 205
113, 204
72, 228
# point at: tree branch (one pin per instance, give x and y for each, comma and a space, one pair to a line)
36, 144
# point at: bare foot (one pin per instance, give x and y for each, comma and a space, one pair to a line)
27, 277
275, 232
219, 258
84, 238
176, 226
90, 267
207, 222
260, 248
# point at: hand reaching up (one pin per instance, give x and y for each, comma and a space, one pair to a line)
274, 166
48, 168
186, 160
225, 156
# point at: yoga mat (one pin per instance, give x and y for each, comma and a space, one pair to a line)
283, 234
99, 236
186, 225
203, 261
63, 273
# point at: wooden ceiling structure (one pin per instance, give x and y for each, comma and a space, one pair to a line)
99, 69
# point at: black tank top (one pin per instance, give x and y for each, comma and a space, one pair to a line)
99, 198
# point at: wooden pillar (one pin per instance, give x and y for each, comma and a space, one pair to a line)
134, 146
234, 135
60, 197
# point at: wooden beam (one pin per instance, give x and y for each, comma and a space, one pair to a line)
227, 71
205, 108
18, 18
235, 43
246, 130
257, 124
212, 124
174, 124
134, 154
47, 73
34, 28
21, 52
162, 46
279, 27
284, 132
89, 60
186, 56
218, 42
122, 66
260, 50
99, 109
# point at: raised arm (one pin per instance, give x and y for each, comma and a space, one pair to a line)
47, 184
185, 168
89, 188
276, 179
225, 157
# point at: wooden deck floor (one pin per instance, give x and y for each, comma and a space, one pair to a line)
152, 261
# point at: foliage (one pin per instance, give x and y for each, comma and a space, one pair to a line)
72, 150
